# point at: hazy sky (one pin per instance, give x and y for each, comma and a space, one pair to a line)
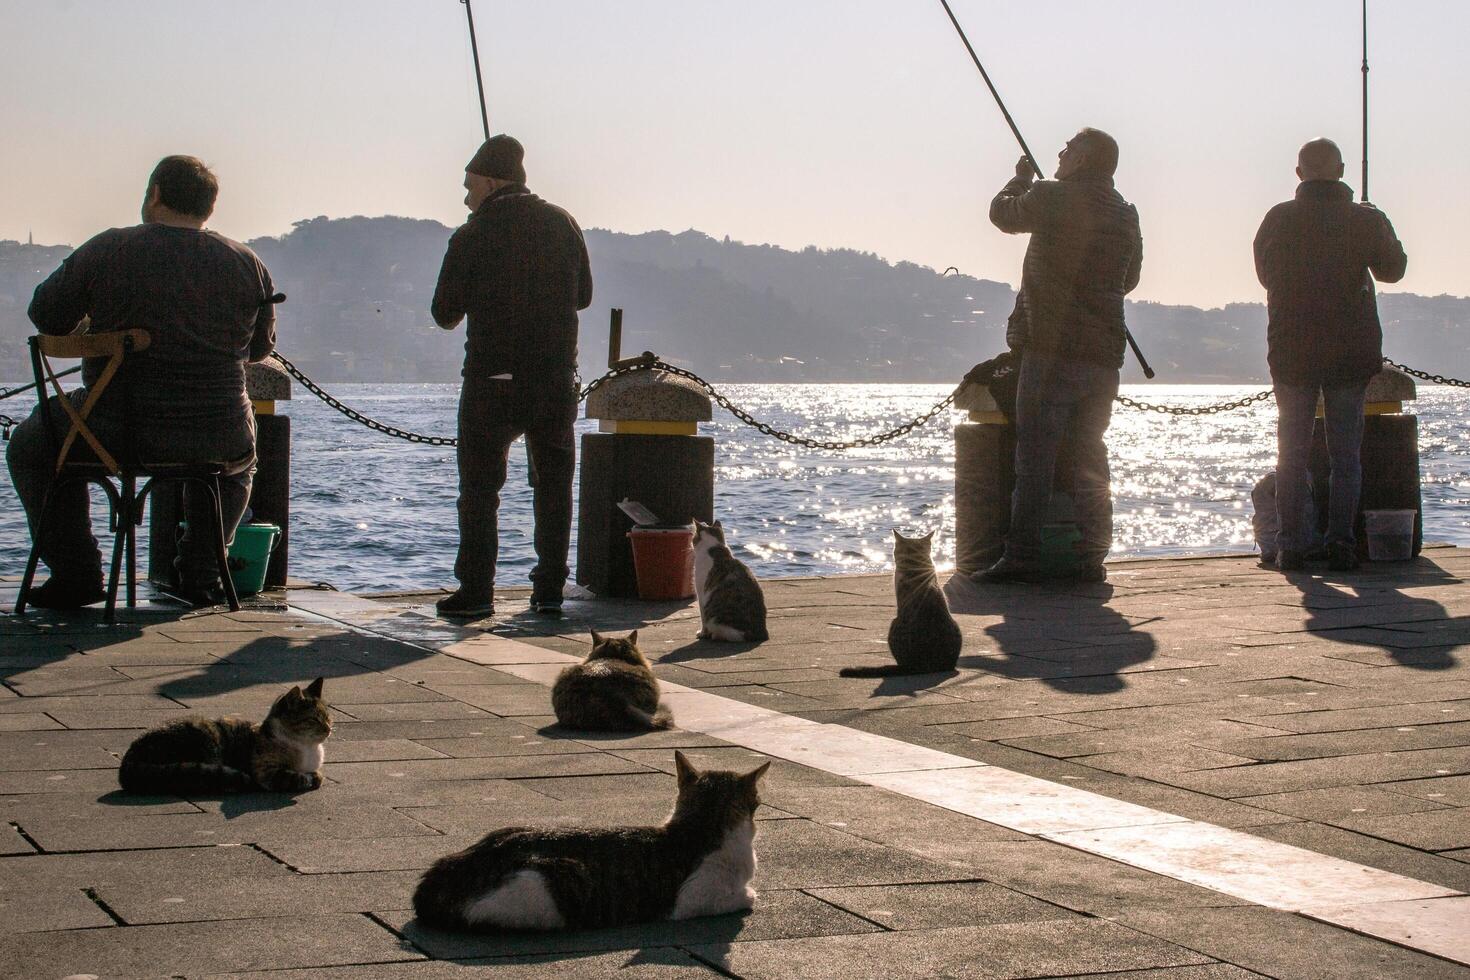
857, 123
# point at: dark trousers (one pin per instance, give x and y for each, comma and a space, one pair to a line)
1296, 408
492, 415
69, 548
1063, 409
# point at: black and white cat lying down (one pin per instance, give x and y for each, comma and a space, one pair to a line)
699, 862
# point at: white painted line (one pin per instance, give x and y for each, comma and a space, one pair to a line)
1376, 903
1439, 925
1266, 872
1020, 802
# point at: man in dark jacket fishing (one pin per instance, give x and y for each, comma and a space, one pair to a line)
1317, 255
518, 270
1085, 255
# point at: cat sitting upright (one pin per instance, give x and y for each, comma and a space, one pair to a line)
923, 637
613, 690
699, 862
230, 755
732, 608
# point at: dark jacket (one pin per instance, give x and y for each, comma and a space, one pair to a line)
203, 298
518, 270
1085, 255
1314, 255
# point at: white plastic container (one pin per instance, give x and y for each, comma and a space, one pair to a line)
1390, 534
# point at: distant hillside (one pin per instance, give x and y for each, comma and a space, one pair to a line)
359, 293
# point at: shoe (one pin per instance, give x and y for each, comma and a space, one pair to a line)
465, 605
1291, 561
549, 606
1342, 557
1008, 570
197, 596
58, 593
1090, 574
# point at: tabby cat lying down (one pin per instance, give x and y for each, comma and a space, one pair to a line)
613, 690
699, 862
229, 755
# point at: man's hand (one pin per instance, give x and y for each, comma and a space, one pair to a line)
1024, 169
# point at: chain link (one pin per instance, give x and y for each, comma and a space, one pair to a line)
1259, 396
764, 428
655, 365
1438, 379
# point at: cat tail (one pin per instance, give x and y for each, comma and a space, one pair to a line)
887, 670
178, 778
661, 718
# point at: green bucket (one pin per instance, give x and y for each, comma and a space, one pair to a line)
250, 554
1061, 549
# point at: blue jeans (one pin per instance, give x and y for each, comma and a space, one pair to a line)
1062, 412
1296, 407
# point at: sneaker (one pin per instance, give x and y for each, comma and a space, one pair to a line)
1090, 574
58, 593
465, 605
1009, 570
549, 606
1342, 557
1291, 561
196, 596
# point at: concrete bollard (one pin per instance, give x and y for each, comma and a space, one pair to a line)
1390, 456
270, 494
985, 475
647, 449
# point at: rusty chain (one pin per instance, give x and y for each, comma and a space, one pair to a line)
7, 423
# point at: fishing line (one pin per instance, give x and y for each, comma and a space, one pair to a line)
1148, 372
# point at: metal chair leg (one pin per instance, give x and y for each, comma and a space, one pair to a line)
30, 575
135, 517
222, 556
123, 522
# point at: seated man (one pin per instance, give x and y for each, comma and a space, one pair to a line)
206, 302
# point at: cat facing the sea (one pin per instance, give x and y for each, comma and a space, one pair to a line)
698, 862
282, 754
732, 608
923, 637
613, 690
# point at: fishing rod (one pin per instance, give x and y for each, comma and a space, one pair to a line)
469, 13
1365, 102
1148, 372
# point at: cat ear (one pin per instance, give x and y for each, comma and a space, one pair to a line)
928, 537
315, 690
633, 638
754, 776
294, 694
596, 638
684, 769
718, 525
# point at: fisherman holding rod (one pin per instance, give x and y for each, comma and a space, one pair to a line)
1085, 255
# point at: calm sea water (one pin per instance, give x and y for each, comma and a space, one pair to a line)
373, 513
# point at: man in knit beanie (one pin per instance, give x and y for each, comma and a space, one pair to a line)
517, 270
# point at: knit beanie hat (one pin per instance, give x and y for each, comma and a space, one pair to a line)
499, 157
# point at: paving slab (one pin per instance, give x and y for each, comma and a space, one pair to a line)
1286, 946
200, 947
1026, 949
662, 963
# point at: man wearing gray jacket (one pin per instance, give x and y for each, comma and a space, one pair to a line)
1085, 255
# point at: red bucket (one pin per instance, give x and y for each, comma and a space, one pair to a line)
663, 559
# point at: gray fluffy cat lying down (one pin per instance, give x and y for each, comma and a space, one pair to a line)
699, 862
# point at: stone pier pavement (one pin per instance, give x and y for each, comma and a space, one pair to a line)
1140, 751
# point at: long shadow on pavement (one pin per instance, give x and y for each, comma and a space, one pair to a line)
1369, 608
1069, 639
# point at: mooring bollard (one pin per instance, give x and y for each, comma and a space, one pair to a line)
985, 475
648, 449
1390, 456
270, 495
